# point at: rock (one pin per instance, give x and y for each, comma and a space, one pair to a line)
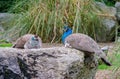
6, 19
101, 5
6, 22
52, 63
117, 5
105, 48
107, 32
1, 29
110, 28
108, 21
110, 11
9, 68
118, 17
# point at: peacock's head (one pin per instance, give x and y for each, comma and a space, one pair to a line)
66, 28
67, 31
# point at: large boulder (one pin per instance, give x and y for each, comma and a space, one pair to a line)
111, 11
117, 5
9, 68
47, 63
108, 18
6, 20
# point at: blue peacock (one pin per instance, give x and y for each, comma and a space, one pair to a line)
67, 31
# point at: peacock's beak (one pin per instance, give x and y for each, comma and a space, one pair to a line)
64, 30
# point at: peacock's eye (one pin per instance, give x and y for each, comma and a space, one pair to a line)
66, 28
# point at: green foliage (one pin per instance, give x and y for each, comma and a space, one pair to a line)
108, 2
5, 45
19, 6
114, 59
47, 18
103, 66
5, 5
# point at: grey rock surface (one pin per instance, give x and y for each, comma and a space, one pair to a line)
6, 22
6, 19
9, 67
108, 16
111, 11
109, 23
1, 28
49, 63
117, 5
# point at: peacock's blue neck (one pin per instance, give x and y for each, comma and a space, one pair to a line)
65, 34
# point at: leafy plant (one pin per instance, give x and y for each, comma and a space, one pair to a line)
5, 45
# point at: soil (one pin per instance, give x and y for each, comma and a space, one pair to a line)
104, 74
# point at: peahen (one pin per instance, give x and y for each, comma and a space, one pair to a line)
28, 41
84, 43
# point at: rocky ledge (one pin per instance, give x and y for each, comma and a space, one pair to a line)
45, 63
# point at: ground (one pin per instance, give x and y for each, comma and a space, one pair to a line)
104, 74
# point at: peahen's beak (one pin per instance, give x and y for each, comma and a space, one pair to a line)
36, 39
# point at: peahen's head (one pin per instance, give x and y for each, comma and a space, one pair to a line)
67, 31
34, 38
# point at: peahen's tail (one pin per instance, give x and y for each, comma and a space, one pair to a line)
106, 61
103, 57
